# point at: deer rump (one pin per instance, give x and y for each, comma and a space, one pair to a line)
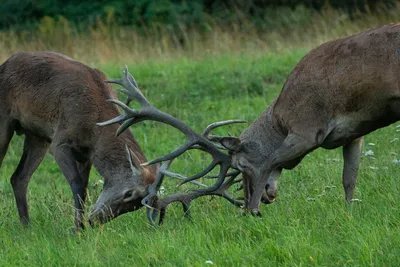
56, 102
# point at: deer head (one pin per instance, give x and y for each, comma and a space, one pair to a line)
124, 191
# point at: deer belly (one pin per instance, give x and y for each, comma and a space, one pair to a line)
346, 129
35, 128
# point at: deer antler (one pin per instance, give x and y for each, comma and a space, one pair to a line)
157, 207
204, 142
194, 140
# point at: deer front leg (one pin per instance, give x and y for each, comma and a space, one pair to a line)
352, 156
69, 167
34, 151
84, 171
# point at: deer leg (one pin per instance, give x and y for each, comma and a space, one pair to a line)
6, 133
84, 171
69, 167
352, 157
294, 146
246, 188
34, 151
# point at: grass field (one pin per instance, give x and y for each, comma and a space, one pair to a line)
308, 225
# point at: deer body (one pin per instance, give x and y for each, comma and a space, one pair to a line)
56, 102
339, 92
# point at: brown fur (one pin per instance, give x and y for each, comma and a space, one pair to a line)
339, 92
58, 101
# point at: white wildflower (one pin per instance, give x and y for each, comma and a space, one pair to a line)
333, 159
162, 190
396, 161
369, 153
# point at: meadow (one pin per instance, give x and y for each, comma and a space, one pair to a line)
228, 77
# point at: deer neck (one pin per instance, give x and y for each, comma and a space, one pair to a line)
266, 131
110, 157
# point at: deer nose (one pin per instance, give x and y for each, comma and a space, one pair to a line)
268, 196
98, 216
267, 199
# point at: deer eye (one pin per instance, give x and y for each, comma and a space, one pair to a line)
128, 194
241, 165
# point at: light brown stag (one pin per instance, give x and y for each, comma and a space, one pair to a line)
56, 102
339, 92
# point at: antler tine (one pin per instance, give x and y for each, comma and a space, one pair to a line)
200, 174
161, 205
129, 83
118, 119
174, 154
151, 199
217, 124
223, 169
128, 122
221, 178
229, 174
133, 81
181, 177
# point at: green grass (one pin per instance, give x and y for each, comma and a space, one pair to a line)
309, 225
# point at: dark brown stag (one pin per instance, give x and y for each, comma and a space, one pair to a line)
339, 92
56, 102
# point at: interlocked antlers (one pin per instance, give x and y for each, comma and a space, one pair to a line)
156, 207
204, 142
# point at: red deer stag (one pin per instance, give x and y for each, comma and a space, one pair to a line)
56, 102
339, 92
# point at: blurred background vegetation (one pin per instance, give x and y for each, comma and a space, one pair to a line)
142, 29
172, 14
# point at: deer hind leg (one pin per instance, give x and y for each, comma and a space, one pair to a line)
34, 151
73, 172
6, 133
293, 147
352, 157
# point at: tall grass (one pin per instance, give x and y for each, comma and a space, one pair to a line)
284, 29
309, 225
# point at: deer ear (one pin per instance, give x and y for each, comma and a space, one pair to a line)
231, 143
133, 161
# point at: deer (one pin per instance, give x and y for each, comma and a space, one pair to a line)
338, 93
55, 102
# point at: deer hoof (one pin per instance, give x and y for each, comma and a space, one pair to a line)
255, 213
